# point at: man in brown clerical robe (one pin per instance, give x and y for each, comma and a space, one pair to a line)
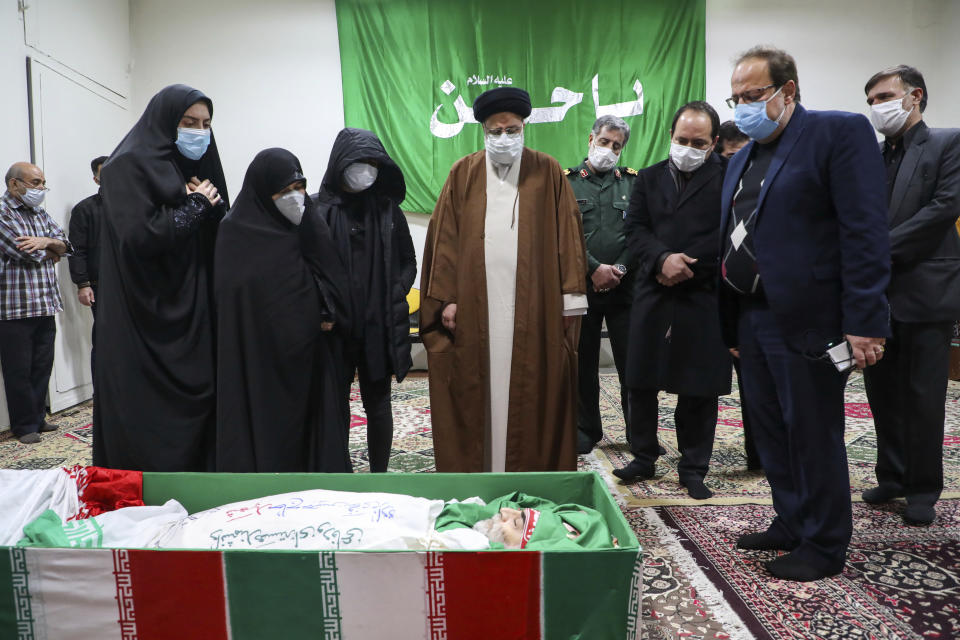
503, 282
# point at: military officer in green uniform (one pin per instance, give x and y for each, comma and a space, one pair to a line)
603, 193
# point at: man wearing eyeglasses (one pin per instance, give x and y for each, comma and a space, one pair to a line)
504, 279
31, 243
805, 261
907, 390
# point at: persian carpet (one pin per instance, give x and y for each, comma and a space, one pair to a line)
899, 582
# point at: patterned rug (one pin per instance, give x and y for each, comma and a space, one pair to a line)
728, 477
899, 582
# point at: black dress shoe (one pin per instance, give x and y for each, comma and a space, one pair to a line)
695, 488
788, 567
765, 541
919, 515
883, 493
636, 470
46, 426
585, 443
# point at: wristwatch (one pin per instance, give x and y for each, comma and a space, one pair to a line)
621, 268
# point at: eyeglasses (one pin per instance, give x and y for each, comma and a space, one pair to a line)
42, 186
747, 96
510, 131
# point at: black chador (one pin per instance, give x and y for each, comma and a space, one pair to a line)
154, 392
279, 283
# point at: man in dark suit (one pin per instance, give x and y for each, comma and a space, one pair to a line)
805, 262
675, 345
907, 391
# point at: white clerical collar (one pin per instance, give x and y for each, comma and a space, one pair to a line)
502, 170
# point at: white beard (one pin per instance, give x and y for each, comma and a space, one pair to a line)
492, 528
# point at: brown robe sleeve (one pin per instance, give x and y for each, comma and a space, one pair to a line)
439, 275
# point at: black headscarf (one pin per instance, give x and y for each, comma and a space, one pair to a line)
152, 142
154, 378
278, 401
356, 145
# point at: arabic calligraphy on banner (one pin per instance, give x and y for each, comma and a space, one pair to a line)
569, 99
411, 70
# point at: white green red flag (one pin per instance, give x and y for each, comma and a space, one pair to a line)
104, 594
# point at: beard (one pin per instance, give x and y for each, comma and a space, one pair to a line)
492, 528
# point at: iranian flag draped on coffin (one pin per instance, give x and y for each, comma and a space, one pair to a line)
102, 594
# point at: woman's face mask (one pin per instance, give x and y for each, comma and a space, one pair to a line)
291, 205
193, 143
359, 176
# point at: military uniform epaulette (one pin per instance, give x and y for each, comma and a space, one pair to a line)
632, 171
566, 172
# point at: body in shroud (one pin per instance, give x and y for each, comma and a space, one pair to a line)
279, 292
164, 194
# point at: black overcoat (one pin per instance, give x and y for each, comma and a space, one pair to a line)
386, 318
675, 341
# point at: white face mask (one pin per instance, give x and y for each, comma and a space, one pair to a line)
291, 205
687, 158
505, 148
33, 197
359, 176
602, 158
889, 117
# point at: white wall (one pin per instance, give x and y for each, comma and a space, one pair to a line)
272, 70
838, 45
15, 140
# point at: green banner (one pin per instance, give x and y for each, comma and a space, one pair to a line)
412, 68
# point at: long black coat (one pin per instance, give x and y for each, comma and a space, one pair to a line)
675, 341
387, 319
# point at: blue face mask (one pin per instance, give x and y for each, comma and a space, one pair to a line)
193, 143
753, 121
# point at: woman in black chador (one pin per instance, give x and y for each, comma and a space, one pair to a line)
279, 289
360, 200
164, 194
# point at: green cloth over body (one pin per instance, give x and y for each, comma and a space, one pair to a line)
550, 533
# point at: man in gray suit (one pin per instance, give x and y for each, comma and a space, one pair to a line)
907, 389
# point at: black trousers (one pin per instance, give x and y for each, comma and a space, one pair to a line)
696, 421
907, 391
588, 362
375, 395
797, 414
749, 445
26, 358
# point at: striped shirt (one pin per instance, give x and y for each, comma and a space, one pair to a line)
28, 281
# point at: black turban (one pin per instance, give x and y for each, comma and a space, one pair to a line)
499, 100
